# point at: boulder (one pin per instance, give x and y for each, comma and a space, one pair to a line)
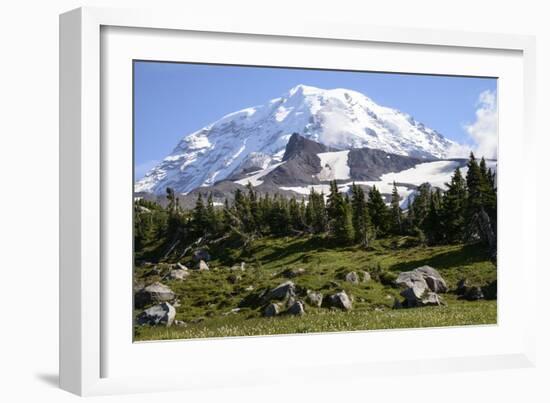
271, 310
366, 276
410, 279
414, 295
433, 278
178, 274
153, 293
282, 291
352, 277
462, 286
160, 314
297, 309
201, 254
431, 298
314, 298
339, 300
473, 294
203, 266
424, 274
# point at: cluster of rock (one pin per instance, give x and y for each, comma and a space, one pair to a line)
161, 302
420, 287
162, 312
286, 298
474, 293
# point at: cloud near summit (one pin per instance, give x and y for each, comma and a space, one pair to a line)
484, 130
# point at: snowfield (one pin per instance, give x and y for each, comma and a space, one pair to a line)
437, 173
255, 177
334, 165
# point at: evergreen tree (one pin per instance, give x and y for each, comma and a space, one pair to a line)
200, 217
243, 213
279, 221
453, 208
421, 204
433, 225
481, 201
378, 212
296, 218
360, 216
396, 212
254, 207
212, 216
315, 214
339, 216
171, 197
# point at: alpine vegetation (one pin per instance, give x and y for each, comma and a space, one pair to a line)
317, 211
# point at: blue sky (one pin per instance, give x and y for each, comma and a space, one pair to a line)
172, 100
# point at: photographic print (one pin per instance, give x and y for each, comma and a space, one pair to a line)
273, 200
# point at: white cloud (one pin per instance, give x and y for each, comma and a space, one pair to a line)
484, 131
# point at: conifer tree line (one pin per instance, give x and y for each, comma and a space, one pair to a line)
466, 211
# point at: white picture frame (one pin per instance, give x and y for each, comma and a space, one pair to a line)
87, 345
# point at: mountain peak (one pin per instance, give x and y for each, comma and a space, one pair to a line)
302, 89
257, 137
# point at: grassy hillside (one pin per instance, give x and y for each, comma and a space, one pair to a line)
207, 298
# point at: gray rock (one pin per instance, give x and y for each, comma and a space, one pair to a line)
297, 309
431, 298
314, 298
462, 286
366, 276
161, 314
409, 279
473, 294
433, 278
352, 277
180, 323
340, 300
282, 291
178, 274
414, 295
201, 254
426, 275
203, 266
153, 293
271, 310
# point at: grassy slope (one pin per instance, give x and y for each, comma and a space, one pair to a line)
209, 296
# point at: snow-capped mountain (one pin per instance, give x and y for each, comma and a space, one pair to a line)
255, 138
